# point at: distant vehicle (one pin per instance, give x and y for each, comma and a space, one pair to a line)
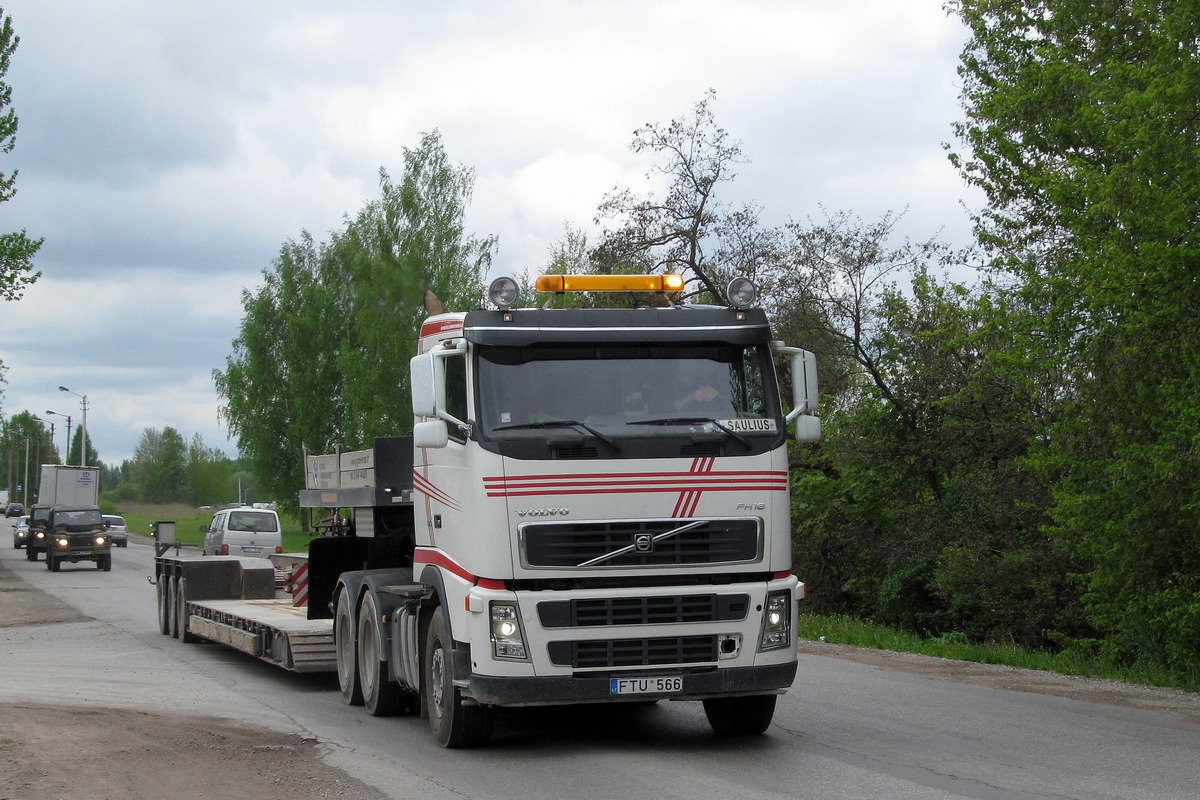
66, 484
117, 530
39, 531
14, 510
21, 532
243, 531
77, 533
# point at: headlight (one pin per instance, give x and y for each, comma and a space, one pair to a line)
100, 540
507, 639
777, 621
62, 542
40, 535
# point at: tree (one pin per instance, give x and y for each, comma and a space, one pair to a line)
24, 446
1081, 127
75, 448
322, 357
16, 249
159, 468
687, 231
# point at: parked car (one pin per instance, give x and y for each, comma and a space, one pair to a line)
14, 510
118, 532
243, 531
21, 532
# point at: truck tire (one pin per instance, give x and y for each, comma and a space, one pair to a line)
173, 607
104, 563
30, 553
52, 563
164, 617
382, 697
181, 615
740, 716
454, 723
347, 652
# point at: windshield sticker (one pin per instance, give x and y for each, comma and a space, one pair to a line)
748, 425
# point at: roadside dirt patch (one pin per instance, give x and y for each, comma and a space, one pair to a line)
21, 604
98, 754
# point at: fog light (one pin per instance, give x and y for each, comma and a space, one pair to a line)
507, 640
504, 292
777, 622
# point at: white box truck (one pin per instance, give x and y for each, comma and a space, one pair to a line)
63, 485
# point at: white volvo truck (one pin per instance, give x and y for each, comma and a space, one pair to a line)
593, 507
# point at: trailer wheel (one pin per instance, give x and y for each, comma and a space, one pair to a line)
740, 716
343, 645
181, 615
382, 697
454, 722
173, 607
164, 618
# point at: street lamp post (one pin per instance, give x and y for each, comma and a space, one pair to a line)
68, 416
82, 427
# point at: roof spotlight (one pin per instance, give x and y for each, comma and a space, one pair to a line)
742, 293
504, 292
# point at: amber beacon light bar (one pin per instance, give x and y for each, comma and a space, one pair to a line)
610, 283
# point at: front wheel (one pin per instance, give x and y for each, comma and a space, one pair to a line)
347, 653
30, 553
51, 563
454, 722
740, 716
104, 563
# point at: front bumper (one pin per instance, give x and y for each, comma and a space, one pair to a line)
529, 691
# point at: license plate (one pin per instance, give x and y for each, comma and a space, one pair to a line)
645, 685
251, 549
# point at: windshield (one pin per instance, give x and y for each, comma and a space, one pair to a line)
615, 393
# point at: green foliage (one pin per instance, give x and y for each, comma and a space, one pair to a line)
16, 249
1082, 126
24, 446
322, 357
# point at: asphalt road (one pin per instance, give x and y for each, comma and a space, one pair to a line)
846, 730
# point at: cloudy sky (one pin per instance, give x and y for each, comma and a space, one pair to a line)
166, 150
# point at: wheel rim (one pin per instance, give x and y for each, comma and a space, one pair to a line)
437, 671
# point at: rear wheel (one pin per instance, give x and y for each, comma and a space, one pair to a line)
382, 697
347, 655
740, 716
454, 722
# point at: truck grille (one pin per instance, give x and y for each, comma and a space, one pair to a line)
643, 610
634, 652
640, 543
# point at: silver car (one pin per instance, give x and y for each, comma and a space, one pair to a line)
21, 532
117, 530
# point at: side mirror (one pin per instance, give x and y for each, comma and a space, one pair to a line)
424, 385
433, 434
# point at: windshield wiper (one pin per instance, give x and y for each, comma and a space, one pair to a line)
692, 421
559, 423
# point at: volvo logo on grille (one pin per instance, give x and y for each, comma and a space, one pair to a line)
643, 543
543, 512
